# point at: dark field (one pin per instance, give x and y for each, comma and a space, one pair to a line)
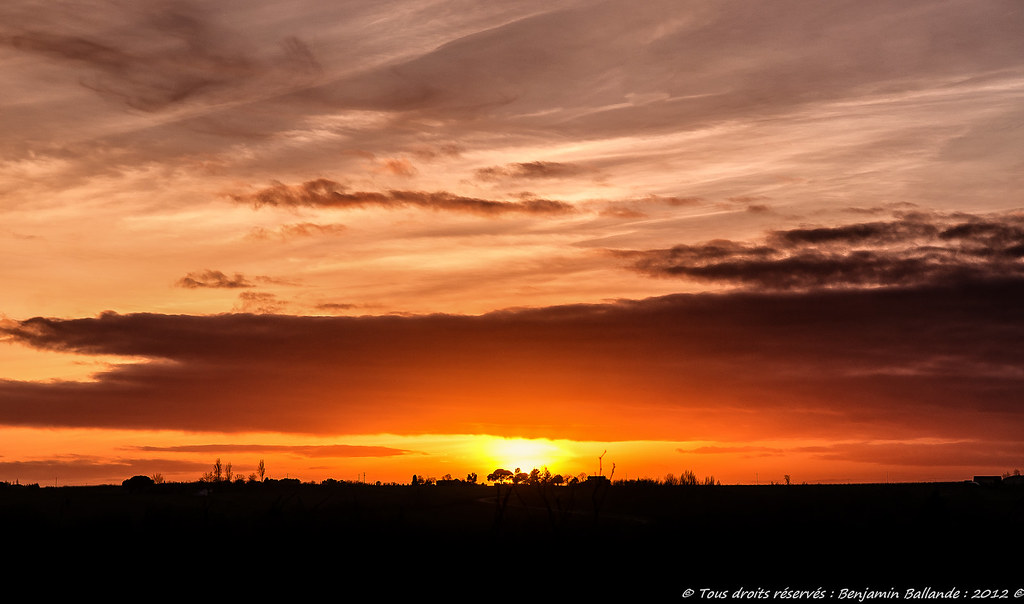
596, 542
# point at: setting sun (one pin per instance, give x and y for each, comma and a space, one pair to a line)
523, 453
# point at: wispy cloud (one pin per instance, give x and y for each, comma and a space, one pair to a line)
156, 56
326, 193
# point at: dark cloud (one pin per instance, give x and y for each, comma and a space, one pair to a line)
303, 450
869, 232
326, 193
936, 361
911, 250
213, 279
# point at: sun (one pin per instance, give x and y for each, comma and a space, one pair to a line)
523, 453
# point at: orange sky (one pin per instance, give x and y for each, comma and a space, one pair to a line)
743, 239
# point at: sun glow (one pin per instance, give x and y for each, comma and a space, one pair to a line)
523, 453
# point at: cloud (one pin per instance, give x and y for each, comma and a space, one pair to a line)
914, 249
336, 306
530, 170
73, 469
684, 65
937, 361
635, 208
326, 193
298, 230
213, 279
622, 211
748, 450
870, 232
303, 450
676, 201
398, 167
262, 303
162, 54
966, 454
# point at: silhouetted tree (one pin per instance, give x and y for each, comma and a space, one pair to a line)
216, 475
261, 470
471, 478
500, 475
137, 482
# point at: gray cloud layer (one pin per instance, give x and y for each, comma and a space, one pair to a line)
926, 361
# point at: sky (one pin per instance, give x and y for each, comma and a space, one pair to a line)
365, 240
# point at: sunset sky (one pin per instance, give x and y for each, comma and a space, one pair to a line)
377, 239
